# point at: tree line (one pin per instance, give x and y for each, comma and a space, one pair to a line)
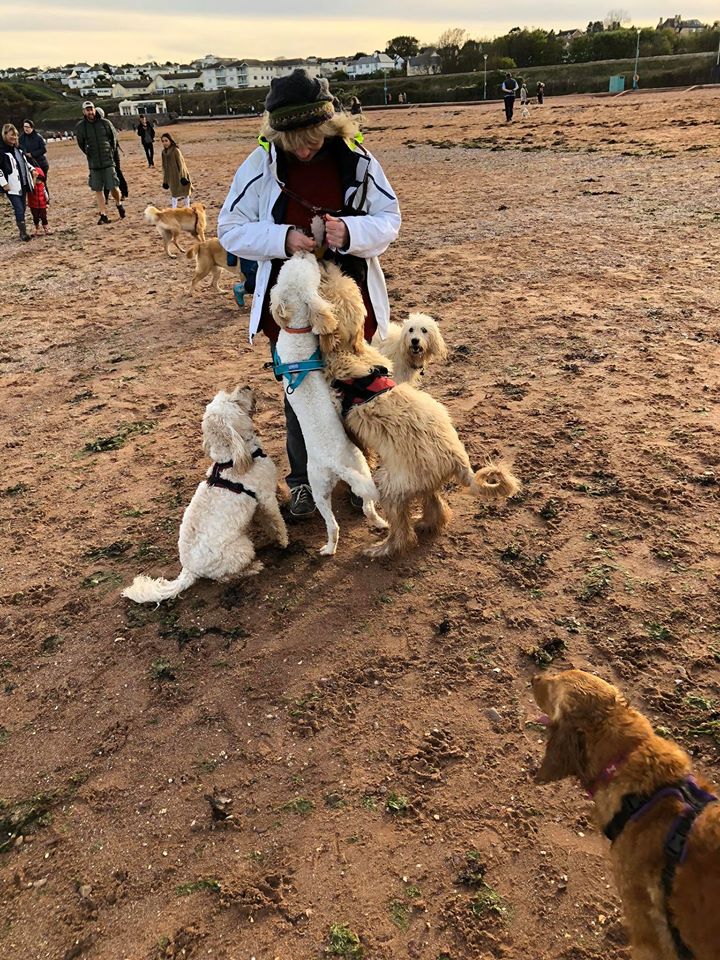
521, 47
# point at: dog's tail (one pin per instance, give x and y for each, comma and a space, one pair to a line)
146, 590
192, 251
151, 214
493, 483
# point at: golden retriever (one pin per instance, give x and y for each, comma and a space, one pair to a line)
171, 223
411, 433
210, 257
597, 736
411, 347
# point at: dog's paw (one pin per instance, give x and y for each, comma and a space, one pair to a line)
328, 550
284, 542
378, 550
378, 523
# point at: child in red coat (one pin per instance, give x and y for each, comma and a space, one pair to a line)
38, 202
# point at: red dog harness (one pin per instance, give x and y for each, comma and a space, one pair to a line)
353, 393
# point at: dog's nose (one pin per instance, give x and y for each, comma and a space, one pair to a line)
415, 341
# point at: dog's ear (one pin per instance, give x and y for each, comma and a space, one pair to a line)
217, 441
438, 348
241, 453
244, 397
565, 754
279, 307
322, 319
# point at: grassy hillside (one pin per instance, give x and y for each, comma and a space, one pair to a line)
51, 109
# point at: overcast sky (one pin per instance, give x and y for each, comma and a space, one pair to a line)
52, 32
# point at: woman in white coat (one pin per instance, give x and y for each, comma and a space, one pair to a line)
16, 176
309, 186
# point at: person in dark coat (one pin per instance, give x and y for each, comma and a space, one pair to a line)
97, 138
116, 160
509, 88
540, 91
34, 147
146, 131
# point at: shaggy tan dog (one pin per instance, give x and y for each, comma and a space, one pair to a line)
171, 223
210, 257
634, 778
410, 432
411, 347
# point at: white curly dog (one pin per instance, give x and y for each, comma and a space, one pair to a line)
411, 347
241, 484
302, 315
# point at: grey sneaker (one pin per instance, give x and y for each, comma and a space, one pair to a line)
301, 502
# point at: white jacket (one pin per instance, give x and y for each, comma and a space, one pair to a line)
13, 178
247, 229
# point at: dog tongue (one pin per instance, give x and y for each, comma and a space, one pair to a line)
543, 719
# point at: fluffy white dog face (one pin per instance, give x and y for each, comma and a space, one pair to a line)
227, 428
422, 341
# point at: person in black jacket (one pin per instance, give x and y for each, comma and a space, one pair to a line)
146, 131
34, 147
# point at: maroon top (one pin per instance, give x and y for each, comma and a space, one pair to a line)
318, 182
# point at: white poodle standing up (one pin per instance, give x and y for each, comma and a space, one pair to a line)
302, 315
214, 537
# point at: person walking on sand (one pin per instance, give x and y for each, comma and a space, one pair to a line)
97, 138
38, 202
16, 177
310, 163
146, 131
176, 176
509, 89
540, 92
34, 147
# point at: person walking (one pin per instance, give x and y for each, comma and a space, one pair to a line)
16, 177
540, 91
509, 89
122, 182
146, 131
38, 202
34, 147
355, 106
176, 176
97, 138
310, 163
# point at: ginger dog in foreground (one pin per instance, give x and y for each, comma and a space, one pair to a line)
663, 822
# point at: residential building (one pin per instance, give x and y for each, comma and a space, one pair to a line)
426, 62
366, 66
681, 26
133, 88
170, 82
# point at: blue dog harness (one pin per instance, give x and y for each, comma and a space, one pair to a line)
296, 371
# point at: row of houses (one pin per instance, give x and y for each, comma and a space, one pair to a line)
208, 73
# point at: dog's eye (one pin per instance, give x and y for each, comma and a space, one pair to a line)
412, 329
424, 330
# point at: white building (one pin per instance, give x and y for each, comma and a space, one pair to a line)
169, 82
366, 66
425, 63
135, 108
132, 88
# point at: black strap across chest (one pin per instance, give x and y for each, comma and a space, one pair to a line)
362, 389
634, 805
216, 480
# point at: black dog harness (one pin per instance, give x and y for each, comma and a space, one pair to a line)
634, 805
216, 480
353, 393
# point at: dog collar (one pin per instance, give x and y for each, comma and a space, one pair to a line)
298, 330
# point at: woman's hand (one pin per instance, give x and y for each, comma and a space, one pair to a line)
297, 242
337, 235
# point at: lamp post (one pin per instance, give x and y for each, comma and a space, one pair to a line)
637, 57
485, 56
180, 102
385, 87
226, 103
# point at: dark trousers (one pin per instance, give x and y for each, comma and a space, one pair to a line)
18, 205
509, 107
149, 153
295, 444
39, 215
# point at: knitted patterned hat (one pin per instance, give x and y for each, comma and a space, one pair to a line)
299, 100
